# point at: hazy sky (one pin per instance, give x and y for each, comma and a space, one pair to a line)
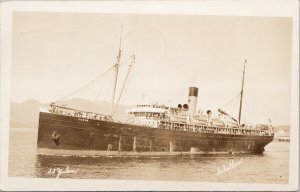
56, 53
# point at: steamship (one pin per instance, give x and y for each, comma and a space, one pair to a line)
150, 129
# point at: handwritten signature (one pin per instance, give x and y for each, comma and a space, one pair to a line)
228, 167
60, 171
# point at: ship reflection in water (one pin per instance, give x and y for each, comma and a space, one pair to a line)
268, 167
258, 168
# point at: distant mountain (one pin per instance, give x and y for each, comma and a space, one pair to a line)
26, 114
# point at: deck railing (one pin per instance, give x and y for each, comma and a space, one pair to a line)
213, 129
164, 123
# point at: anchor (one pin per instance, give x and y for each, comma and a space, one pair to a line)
55, 137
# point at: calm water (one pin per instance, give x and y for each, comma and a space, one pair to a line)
269, 167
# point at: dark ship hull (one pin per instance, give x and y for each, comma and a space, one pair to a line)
61, 134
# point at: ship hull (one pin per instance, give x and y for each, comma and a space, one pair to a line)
63, 135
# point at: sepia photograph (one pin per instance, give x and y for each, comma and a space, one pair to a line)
119, 96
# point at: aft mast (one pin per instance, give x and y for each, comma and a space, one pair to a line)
116, 68
242, 91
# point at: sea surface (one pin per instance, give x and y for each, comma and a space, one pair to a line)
270, 167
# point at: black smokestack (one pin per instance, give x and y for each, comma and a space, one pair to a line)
193, 91
193, 96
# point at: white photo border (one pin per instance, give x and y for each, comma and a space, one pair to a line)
270, 8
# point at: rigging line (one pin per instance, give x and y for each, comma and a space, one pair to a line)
86, 89
124, 93
245, 108
84, 86
125, 61
230, 100
102, 87
126, 78
116, 69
